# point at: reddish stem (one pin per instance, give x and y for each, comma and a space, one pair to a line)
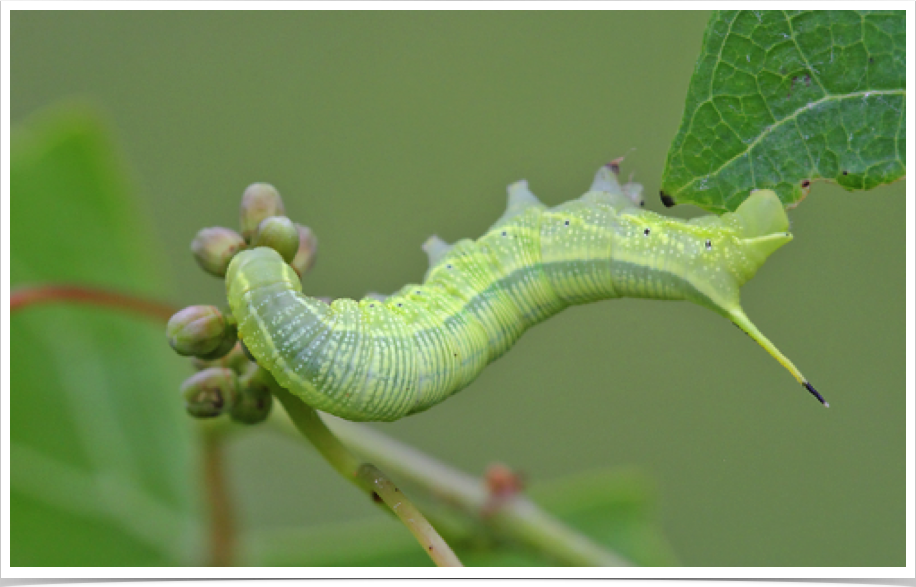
222, 525
40, 294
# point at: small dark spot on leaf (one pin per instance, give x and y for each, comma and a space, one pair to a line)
567, 223
376, 498
667, 200
845, 172
806, 183
871, 59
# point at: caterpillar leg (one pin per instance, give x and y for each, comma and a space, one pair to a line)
745, 324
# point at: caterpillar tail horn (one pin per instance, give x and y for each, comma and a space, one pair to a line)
745, 324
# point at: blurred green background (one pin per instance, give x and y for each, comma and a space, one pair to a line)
382, 128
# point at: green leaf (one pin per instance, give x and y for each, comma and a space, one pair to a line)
613, 508
782, 99
100, 467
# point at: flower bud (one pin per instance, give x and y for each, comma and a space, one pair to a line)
260, 201
235, 359
213, 248
226, 344
254, 402
280, 234
211, 392
196, 330
308, 248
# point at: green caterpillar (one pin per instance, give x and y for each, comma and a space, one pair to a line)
385, 359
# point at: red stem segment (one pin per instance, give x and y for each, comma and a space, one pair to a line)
24, 297
222, 526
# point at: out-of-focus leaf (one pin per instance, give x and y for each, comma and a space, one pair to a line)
780, 99
100, 467
613, 508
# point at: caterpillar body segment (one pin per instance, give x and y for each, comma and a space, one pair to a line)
382, 358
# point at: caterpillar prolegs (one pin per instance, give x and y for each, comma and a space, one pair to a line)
377, 359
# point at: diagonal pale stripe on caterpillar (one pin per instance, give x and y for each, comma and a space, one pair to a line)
385, 359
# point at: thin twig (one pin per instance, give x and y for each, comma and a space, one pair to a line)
26, 296
364, 475
425, 534
517, 516
222, 524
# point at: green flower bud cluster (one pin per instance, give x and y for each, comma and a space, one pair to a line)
228, 380
263, 224
238, 391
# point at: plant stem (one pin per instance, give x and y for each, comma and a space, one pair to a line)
517, 516
438, 550
26, 296
222, 525
364, 475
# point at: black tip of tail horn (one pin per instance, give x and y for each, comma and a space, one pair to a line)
667, 200
814, 392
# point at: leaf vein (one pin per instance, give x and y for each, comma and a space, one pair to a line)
791, 118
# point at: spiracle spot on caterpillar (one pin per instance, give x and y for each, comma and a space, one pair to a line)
383, 358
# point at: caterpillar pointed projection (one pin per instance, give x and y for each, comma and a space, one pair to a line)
383, 359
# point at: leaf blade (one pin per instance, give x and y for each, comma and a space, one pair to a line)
99, 443
781, 99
